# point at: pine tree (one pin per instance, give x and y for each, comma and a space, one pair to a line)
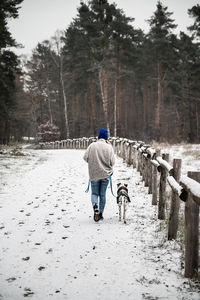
161, 37
99, 46
8, 66
43, 84
195, 28
194, 65
124, 56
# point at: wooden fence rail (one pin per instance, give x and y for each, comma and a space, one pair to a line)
157, 173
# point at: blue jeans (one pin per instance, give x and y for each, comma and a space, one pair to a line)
99, 191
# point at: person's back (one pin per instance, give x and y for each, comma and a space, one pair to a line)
100, 158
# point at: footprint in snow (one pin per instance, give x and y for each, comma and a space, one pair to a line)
21, 223
49, 251
28, 292
26, 258
11, 279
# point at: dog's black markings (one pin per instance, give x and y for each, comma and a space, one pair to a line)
122, 199
96, 213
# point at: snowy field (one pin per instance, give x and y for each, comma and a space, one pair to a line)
52, 249
189, 153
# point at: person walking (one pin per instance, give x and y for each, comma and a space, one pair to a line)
101, 159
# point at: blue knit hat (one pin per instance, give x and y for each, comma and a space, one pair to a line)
103, 134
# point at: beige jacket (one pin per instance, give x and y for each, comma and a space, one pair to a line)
100, 158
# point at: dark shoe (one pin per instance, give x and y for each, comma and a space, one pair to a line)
100, 216
96, 213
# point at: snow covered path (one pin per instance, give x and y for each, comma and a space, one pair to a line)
52, 249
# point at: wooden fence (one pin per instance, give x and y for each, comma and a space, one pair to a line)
156, 173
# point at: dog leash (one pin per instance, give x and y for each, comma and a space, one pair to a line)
87, 190
110, 179
111, 188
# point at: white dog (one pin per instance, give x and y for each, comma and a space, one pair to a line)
122, 199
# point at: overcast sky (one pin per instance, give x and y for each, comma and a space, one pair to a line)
39, 19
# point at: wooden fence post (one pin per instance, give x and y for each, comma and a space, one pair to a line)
192, 233
114, 144
130, 155
145, 160
162, 190
124, 150
138, 160
118, 147
134, 153
141, 166
155, 181
121, 148
175, 203
149, 175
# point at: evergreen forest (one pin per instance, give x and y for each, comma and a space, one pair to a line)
101, 71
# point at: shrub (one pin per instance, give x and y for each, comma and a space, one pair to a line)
48, 132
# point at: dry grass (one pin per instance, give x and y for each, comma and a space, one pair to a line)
194, 153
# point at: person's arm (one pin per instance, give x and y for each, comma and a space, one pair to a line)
86, 155
112, 159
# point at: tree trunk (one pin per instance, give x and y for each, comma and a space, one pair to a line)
159, 95
145, 109
103, 81
92, 104
41, 112
64, 100
59, 64
49, 100
49, 110
116, 99
61, 109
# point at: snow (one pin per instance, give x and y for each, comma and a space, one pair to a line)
189, 153
174, 185
155, 163
52, 249
164, 163
192, 185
